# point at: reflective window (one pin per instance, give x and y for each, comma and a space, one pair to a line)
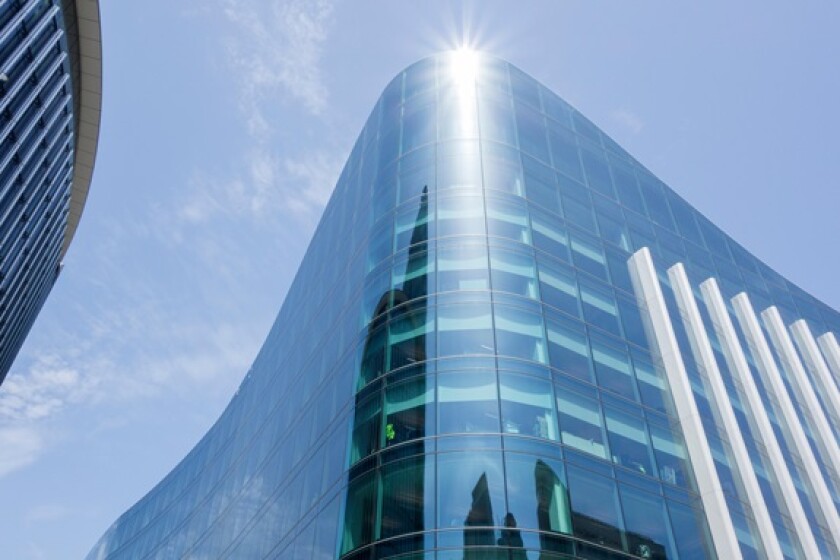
360, 516
465, 329
595, 511
471, 494
508, 218
519, 333
527, 406
597, 172
366, 428
532, 135
407, 501
568, 349
468, 402
646, 524
671, 456
549, 235
564, 152
462, 267
581, 425
537, 493
502, 170
460, 215
628, 439
612, 366
589, 256
513, 271
558, 287
458, 166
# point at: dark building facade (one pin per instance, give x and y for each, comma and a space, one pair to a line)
50, 98
509, 340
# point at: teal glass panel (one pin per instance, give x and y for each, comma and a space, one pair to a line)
407, 501
538, 497
502, 168
471, 494
508, 218
581, 423
514, 272
465, 329
647, 525
595, 508
468, 402
527, 406
568, 349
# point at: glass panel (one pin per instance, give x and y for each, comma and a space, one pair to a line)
558, 286
690, 532
502, 170
513, 272
564, 152
537, 494
589, 256
366, 428
360, 513
463, 267
549, 235
628, 441
468, 402
595, 513
567, 346
471, 494
496, 117
465, 329
409, 411
671, 456
508, 218
407, 499
599, 308
418, 126
519, 333
647, 527
417, 173
460, 215
597, 173
612, 369
527, 407
581, 425
458, 166
411, 335
413, 224
531, 128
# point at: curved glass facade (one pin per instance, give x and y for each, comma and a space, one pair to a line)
467, 367
40, 110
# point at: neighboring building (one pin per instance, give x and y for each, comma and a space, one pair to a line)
50, 98
508, 339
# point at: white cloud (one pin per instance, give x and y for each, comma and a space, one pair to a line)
277, 50
20, 445
629, 119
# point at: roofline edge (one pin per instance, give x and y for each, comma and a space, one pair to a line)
84, 40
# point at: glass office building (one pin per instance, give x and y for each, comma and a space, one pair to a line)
509, 340
50, 98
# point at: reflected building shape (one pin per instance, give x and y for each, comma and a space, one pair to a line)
508, 339
50, 100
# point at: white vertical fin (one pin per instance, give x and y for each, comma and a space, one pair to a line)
649, 294
831, 351
737, 361
703, 353
773, 381
819, 369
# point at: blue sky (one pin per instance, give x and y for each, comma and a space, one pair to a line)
225, 125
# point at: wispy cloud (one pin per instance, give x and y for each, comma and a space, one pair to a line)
20, 445
277, 51
629, 120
